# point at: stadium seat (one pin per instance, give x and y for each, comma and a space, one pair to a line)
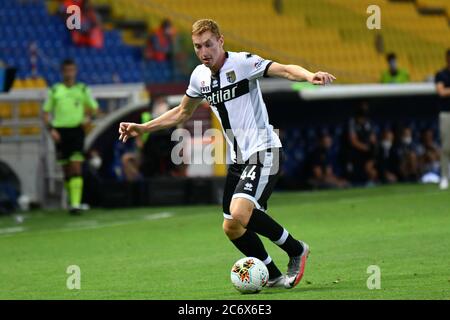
29, 131
308, 28
6, 131
6, 111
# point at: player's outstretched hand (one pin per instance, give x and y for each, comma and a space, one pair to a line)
128, 130
322, 78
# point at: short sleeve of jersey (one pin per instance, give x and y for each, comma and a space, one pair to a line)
49, 102
89, 99
439, 77
255, 67
193, 90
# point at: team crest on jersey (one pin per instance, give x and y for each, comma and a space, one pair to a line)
231, 76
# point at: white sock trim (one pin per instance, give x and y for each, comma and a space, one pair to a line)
268, 260
227, 216
283, 238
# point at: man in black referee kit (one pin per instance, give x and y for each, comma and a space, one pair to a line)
229, 82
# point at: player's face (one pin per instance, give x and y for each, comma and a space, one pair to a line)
69, 73
208, 48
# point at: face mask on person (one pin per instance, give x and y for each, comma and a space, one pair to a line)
407, 140
95, 162
393, 64
386, 144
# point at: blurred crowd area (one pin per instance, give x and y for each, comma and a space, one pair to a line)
361, 152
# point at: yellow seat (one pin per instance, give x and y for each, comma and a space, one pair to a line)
6, 131
18, 84
40, 83
29, 131
29, 109
325, 34
6, 111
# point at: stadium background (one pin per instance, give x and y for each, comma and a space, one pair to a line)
130, 83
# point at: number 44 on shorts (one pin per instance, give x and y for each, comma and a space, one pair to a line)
250, 174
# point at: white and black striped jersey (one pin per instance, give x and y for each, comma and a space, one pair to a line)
235, 97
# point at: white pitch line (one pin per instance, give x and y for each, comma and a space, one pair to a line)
157, 216
85, 225
81, 224
11, 230
93, 224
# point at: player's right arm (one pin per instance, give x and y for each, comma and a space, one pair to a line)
169, 119
442, 90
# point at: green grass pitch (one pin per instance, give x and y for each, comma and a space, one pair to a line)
182, 253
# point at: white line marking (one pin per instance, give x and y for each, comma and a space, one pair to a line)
157, 216
11, 230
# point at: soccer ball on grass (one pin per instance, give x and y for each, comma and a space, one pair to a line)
249, 275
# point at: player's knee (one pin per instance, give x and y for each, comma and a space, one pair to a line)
232, 228
240, 214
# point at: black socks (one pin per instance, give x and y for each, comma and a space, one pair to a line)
251, 246
263, 224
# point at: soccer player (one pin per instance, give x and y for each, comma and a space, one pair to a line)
442, 81
67, 111
229, 82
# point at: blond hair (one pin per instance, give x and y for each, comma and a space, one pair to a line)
204, 25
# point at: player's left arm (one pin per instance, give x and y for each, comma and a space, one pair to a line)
441, 90
90, 109
91, 104
297, 73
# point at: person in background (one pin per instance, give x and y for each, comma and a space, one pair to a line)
429, 155
93, 178
155, 148
322, 173
386, 160
67, 113
406, 154
161, 43
394, 74
278, 6
362, 143
442, 81
126, 162
90, 33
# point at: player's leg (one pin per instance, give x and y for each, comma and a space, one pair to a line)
76, 185
444, 127
66, 171
63, 151
246, 241
250, 202
76, 158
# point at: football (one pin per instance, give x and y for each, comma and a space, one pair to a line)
249, 275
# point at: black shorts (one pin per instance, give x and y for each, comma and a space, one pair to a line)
254, 180
70, 148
